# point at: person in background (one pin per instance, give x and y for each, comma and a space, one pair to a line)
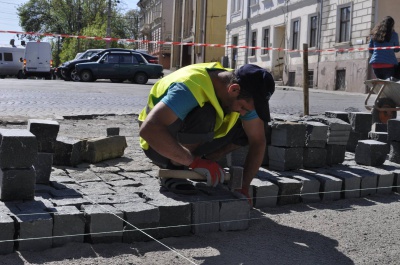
384, 62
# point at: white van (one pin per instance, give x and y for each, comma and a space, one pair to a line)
37, 59
10, 63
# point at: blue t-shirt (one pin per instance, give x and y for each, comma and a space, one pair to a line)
181, 101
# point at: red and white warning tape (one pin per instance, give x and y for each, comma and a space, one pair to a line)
192, 43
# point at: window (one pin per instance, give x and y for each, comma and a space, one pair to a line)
295, 34
236, 5
265, 43
253, 42
313, 31
112, 58
8, 57
1, 57
344, 23
310, 78
234, 52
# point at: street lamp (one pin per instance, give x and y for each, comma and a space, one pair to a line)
108, 33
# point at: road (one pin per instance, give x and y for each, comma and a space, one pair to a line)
22, 99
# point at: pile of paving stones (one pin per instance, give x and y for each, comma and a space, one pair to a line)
107, 201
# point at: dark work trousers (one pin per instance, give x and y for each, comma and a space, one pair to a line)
384, 73
198, 127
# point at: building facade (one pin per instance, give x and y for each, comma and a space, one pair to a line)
155, 24
326, 26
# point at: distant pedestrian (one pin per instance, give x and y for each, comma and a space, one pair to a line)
384, 62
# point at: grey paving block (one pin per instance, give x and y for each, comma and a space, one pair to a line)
115, 198
385, 179
316, 134
175, 217
288, 134
138, 217
285, 158
33, 224
360, 122
77, 202
395, 169
314, 157
351, 186
265, 193
335, 154
83, 175
234, 215
371, 152
289, 189
330, 188
338, 137
17, 184
42, 167
46, 133
334, 124
67, 151
369, 182
7, 230
310, 186
18, 148
378, 136
68, 225
394, 153
205, 214
354, 137
379, 127
342, 115
104, 223
393, 129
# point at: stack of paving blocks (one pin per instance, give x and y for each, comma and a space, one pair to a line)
315, 153
18, 153
361, 123
46, 133
287, 145
394, 140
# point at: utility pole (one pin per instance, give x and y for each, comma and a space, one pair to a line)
108, 24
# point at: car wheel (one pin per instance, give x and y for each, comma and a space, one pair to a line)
140, 78
86, 76
117, 80
74, 76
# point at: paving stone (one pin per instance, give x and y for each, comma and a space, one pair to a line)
338, 137
17, 184
393, 129
395, 169
46, 133
43, 165
289, 189
125, 183
265, 193
342, 115
379, 127
330, 188
334, 124
310, 186
110, 177
378, 136
288, 134
205, 213
394, 153
351, 182
371, 152
360, 122
34, 223
67, 151
284, 158
115, 198
369, 180
68, 225
7, 231
314, 157
316, 134
139, 215
385, 179
335, 154
175, 216
90, 188
18, 148
83, 175
234, 215
354, 137
77, 202
103, 148
101, 222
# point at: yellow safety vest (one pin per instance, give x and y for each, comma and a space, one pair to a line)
196, 78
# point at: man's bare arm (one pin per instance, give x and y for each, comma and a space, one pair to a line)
155, 131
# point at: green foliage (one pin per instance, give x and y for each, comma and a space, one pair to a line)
76, 17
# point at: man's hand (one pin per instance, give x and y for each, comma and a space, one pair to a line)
245, 192
213, 172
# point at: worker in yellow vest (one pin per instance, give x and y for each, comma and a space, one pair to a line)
201, 112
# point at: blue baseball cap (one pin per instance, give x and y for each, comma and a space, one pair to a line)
260, 84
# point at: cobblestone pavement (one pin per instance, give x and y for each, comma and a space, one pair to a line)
22, 99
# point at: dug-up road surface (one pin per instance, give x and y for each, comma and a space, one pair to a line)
349, 231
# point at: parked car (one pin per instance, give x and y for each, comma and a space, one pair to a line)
148, 57
67, 69
87, 54
10, 64
119, 66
